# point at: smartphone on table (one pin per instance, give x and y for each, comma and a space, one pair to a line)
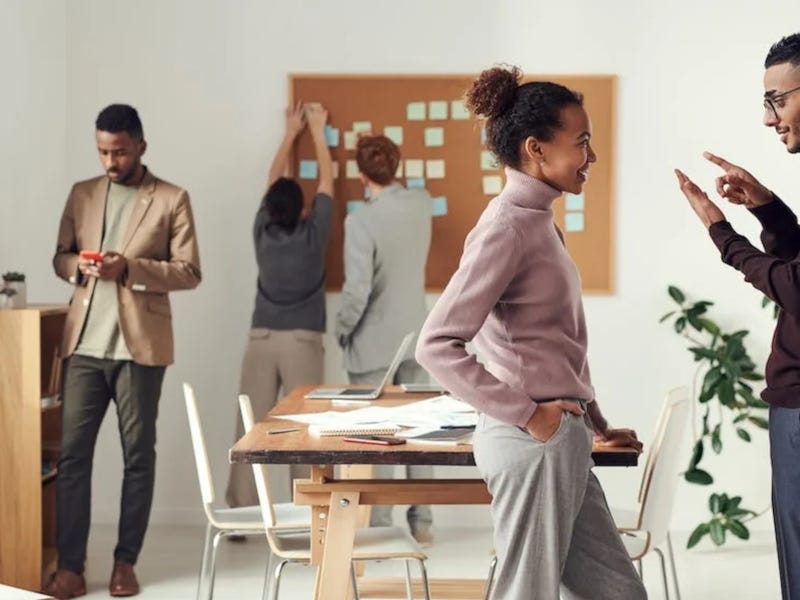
375, 439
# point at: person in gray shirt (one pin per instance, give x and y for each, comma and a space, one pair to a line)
383, 298
284, 348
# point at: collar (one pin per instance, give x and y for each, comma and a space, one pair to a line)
527, 191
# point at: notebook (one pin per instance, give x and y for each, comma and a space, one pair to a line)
449, 437
344, 428
422, 387
365, 394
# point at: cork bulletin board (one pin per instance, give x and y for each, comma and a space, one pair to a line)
442, 151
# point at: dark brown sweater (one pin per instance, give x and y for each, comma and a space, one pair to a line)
776, 273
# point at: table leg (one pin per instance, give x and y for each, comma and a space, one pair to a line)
333, 573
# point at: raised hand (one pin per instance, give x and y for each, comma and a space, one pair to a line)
317, 117
708, 212
295, 119
737, 185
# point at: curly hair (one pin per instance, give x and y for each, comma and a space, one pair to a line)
116, 118
514, 112
785, 50
377, 157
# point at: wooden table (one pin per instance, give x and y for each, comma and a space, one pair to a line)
336, 502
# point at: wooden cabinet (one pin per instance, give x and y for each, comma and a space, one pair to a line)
30, 434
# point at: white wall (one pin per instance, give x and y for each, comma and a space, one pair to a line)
209, 80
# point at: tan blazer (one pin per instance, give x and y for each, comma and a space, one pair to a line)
161, 249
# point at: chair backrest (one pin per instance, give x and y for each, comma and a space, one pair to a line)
667, 456
259, 470
200, 451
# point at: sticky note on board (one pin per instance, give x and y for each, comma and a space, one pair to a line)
350, 139
434, 169
415, 168
458, 111
362, 127
488, 161
415, 111
366, 193
331, 136
575, 201
439, 206
492, 184
308, 169
394, 133
437, 110
351, 170
354, 205
399, 173
434, 136
574, 221
415, 183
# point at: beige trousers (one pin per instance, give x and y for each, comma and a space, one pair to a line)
275, 362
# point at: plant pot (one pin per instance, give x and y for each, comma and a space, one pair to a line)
18, 300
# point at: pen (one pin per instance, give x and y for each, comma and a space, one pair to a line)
286, 430
457, 427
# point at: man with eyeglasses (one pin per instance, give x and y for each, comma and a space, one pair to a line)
776, 273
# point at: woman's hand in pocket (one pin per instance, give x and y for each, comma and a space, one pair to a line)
547, 418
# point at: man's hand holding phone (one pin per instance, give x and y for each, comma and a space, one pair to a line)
108, 266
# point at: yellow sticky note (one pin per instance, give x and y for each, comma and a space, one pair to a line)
435, 169
394, 133
399, 173
351, 170
458, 111
492, 184
350, 139
488, 161
437, 110
415, 168
415, 111
434, 136
362, 127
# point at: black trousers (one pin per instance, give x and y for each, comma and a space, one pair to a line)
89, 385
784, 442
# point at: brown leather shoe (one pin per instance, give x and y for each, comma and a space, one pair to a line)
65, 584
123, 580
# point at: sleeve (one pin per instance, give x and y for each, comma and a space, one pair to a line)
489, 264
65, 260
359, 250
778, 279
182, 270
321, 214
780, 231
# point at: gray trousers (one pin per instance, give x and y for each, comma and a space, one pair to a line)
89, 385
553, 531
784, 445
274, 363
419, 517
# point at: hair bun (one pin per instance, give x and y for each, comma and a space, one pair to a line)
492, 93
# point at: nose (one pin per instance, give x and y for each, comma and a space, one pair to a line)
109, 162
592, 157
770, 118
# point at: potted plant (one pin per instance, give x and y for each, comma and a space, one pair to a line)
15, 282
725, 399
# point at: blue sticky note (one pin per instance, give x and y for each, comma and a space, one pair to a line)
574, 221
331, 136
439, 206
415, 182
308, 169
354, 205
366, 193
575, 202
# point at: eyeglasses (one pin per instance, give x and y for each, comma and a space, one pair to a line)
769, 101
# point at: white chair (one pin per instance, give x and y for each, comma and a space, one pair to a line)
370, 543
245, 520
646, 528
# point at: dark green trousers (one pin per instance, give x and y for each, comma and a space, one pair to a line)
89, 385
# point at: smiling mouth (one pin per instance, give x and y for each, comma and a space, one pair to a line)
583, 174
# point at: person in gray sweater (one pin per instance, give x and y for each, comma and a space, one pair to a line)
383, 298
284, 348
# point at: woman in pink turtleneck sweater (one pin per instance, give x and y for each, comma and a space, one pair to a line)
517, 296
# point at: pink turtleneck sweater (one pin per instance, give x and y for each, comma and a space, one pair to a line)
517, 296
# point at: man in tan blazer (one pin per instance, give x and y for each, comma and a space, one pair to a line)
118, 336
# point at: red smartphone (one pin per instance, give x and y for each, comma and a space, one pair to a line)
375, 439
91, 255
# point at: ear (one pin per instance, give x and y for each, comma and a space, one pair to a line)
142, 147
532, 150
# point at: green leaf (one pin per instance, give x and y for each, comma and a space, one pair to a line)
717, 532
710, 382
699, 477
676, 294
759, 422
694, 321
705, 422
725, 391
710, 326
700, 352
697, 454
742, 433
752, 376
666, 316
733, 504
680, 324
716, 440
738, 529
697, 535
714, 504
764, 301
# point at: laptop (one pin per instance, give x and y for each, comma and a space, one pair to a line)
362, 393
